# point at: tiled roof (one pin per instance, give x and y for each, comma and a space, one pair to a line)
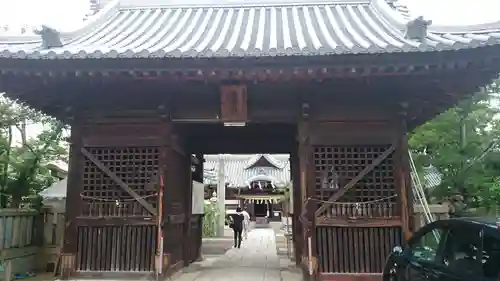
432, 177
236, 172
254, 159
197, 28
56, 190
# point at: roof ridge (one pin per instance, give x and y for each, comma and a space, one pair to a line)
142, 4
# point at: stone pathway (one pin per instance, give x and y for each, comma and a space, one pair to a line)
257, 260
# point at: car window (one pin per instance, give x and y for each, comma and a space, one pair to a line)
462, 252
490, 260
426, 247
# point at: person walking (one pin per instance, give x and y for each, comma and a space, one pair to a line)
246, 223
237, 226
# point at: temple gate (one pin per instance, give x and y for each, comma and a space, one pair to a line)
337, 85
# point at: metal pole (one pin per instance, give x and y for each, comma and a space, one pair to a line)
221, 196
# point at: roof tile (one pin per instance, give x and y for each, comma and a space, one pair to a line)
323, 28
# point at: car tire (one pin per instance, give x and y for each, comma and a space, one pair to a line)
390, 270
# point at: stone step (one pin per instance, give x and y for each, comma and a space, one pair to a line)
216, 246
281, 242
281, 245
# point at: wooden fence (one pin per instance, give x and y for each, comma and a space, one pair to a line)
18, 242
29, 241
53, 234
438, 211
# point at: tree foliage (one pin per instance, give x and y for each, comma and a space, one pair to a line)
24, 153
462, 143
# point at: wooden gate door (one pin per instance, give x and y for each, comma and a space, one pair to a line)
360, 219
116, 228
118, 176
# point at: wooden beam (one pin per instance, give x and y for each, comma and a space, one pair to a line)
121, 183
355, 180
99, 221
371, 222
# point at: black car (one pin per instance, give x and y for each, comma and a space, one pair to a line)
465, 249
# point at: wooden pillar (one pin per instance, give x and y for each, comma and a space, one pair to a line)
307, 192
178, 187
297, 205
404, 176
175, 166
251, 210
73, 200
164, 155
198, 176
189, 242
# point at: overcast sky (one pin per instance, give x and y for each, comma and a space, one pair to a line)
68, 14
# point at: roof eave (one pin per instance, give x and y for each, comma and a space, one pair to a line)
87, 26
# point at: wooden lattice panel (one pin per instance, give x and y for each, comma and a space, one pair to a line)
116, 248
336, 166
355, 249
137, 167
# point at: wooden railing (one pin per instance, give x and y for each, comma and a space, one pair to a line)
383, 212
380, 213
371, 210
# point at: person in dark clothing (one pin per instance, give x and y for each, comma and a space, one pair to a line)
237, 225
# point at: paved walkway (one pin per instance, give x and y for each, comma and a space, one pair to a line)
256, 260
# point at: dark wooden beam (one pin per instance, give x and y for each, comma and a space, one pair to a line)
362, 222
240, 146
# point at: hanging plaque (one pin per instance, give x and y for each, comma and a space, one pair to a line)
233, 106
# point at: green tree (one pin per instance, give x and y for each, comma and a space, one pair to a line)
23, 163
458, 142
